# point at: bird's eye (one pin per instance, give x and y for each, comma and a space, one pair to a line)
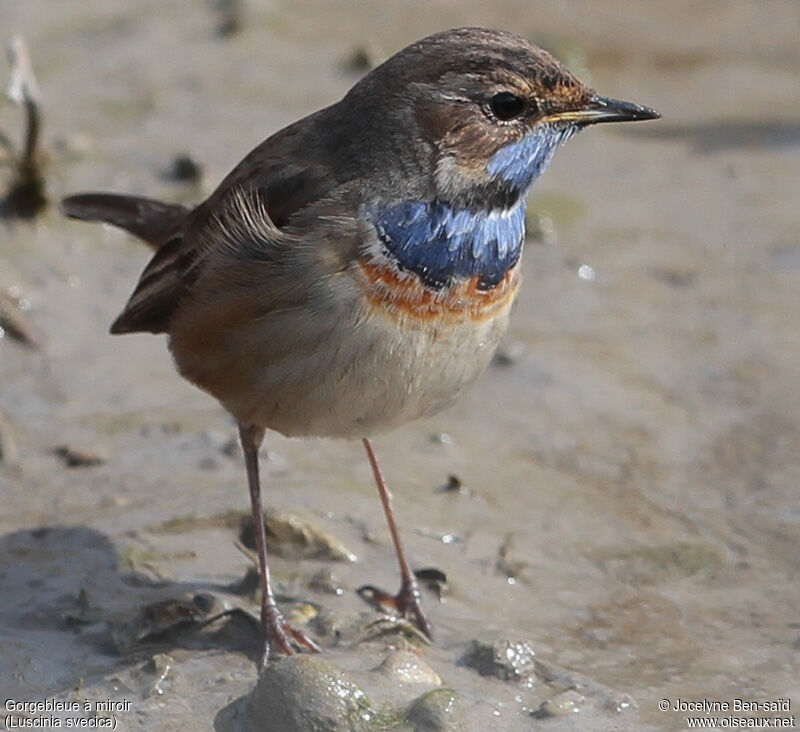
506, 106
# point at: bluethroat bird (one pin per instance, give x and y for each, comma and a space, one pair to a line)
356, 270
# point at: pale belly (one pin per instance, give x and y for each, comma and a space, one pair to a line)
378, 379
349, 370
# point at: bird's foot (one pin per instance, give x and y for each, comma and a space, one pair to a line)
389, 625
407, 604
282, 637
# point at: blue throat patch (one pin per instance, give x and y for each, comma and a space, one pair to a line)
522, 162
440, 242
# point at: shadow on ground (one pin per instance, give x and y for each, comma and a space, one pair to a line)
72, 609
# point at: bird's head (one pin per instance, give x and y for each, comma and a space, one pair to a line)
493, 108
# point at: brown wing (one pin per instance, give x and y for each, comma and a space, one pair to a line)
239, 219
276, 180
159, 289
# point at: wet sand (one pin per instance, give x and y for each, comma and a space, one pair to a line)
631, 470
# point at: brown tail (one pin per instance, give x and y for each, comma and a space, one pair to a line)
151, 221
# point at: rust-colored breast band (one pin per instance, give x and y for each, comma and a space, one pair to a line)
402, 294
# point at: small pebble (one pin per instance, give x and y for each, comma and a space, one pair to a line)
208, 463
184, 169
301, 613
567, 702
326, 581
508, 354
161, 665
503, 659
406, 667
79, 457
441, 438
231, 17
619, 703
364, 58
454, 485
230, 448
444, 538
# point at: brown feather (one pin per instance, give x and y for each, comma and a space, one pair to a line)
238, 222
151, 221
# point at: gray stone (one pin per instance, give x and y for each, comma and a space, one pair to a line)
405, 667
436, 711
306, 694
567, 702
503, 659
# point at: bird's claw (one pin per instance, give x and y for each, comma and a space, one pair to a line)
409, 605
281, 636
406, 604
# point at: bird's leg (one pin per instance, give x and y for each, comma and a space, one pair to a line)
278, 634
408, 600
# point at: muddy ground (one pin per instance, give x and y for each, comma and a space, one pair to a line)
630, 470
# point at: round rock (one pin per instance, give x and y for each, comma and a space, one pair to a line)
405, 667
436, 711
304, 693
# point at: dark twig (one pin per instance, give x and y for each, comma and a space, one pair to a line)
13, 323
9, 452
25, 197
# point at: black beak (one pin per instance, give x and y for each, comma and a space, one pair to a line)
603, 109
